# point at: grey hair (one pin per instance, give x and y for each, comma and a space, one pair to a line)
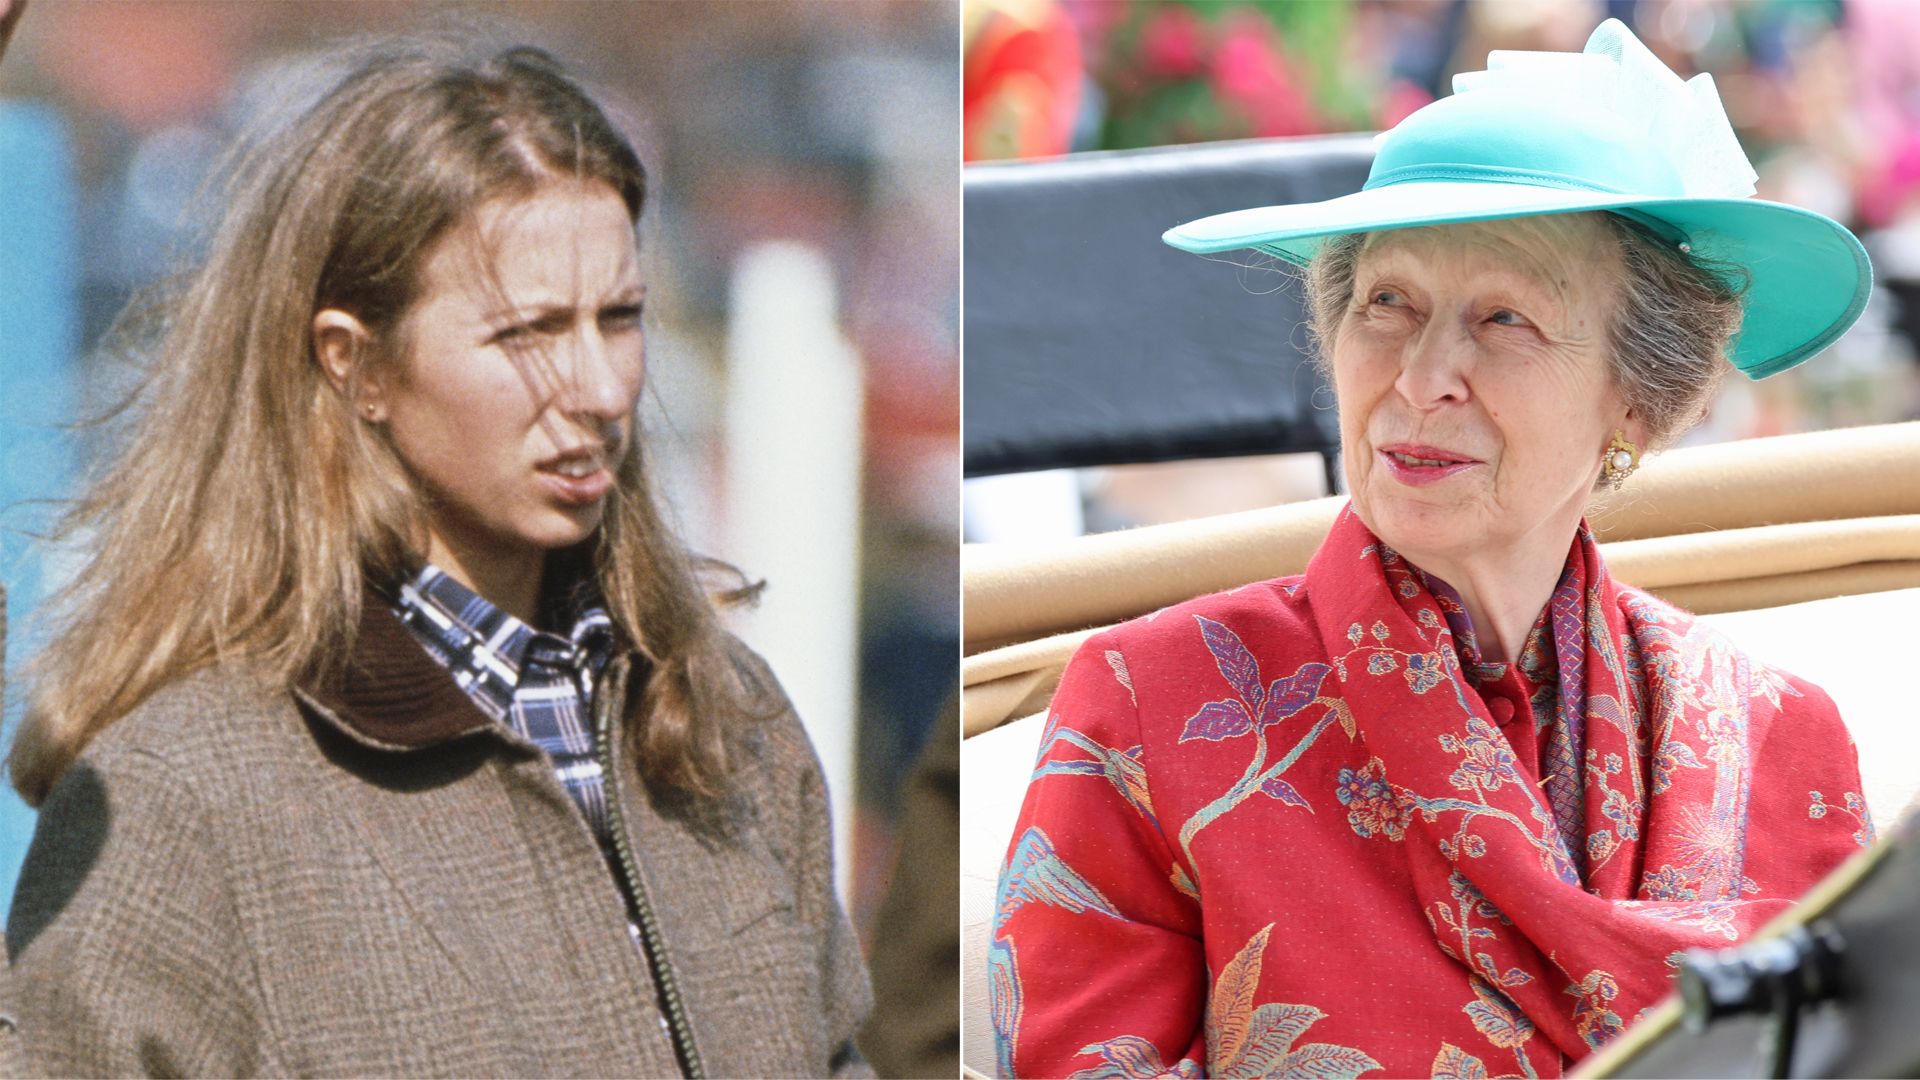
1674, 316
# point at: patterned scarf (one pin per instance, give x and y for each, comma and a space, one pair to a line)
1638, 832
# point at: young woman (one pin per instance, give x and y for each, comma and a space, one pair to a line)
389, 731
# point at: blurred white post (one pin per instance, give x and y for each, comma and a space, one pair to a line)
792, 501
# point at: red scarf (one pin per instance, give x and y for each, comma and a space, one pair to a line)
1285, 830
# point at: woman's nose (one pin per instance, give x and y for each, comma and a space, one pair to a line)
599, 380
1433, 366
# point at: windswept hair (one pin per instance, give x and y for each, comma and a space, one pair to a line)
248, 509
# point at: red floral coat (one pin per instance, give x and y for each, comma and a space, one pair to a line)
1301, 829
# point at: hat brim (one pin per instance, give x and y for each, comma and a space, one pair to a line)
1808, 277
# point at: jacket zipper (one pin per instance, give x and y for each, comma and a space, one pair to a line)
679, 1030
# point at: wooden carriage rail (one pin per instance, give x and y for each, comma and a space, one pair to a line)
1728, 527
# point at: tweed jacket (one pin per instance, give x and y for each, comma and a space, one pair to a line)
375, 878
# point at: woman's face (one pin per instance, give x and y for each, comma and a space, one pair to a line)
522, 360
1475, 397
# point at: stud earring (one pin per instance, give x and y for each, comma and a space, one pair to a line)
1619, 460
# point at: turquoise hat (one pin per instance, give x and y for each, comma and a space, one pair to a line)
1610, 128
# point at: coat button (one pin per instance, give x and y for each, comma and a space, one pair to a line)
1502, 710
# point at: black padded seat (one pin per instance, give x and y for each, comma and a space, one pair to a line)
1089, 342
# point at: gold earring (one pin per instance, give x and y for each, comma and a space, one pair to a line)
1619, 460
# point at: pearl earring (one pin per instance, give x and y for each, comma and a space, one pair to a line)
1619, 460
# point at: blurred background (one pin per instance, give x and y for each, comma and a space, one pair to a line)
1824, 94
803, 392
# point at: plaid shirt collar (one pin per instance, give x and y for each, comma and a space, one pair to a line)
486, 649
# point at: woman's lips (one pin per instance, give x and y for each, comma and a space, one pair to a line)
573, 487
1417, 465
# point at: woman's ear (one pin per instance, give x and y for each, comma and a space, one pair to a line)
1634, 429
340, 343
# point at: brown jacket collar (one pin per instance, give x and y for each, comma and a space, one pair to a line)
392, 694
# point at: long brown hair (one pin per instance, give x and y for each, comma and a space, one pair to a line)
248, 507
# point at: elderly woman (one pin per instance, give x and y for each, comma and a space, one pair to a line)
1447, 803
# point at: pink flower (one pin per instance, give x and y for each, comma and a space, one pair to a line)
1246, 69
1173, 43
1250, 74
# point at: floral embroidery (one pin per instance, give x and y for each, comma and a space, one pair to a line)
1131, 1056
1503, 1025
1184, 884
1666, 884
1121, 768
1625, 815
1036, 874
1772, 685
1246, 1041
1468, 904
1853, 806
1453, 1063
1601, 847
1709, 916
1495, 1016
1118, 663
1489, 758
1374, 807
1672, 755
1003, 997
1257, 708
1592, 1018
1424, 672
1697, 677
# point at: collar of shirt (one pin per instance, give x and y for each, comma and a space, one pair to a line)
486, 650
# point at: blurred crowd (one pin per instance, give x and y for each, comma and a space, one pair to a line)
828, 124
1824, 94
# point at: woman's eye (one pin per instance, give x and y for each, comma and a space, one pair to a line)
1385, 296
522, 333
626, 315
1505, 317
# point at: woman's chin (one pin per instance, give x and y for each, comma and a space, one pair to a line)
551, 529
1415, 528
571, 528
